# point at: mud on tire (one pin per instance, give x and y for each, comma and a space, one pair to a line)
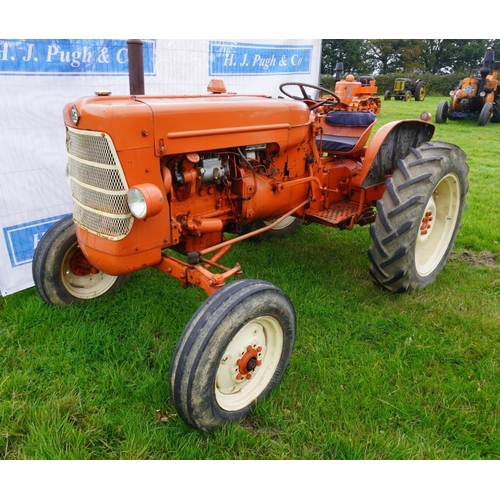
418, 217
61, 273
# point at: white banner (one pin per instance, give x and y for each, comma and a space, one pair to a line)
38, 77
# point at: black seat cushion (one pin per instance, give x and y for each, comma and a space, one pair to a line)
350, 118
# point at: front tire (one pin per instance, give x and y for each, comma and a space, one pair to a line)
495, 117
485, 115
418, 217
232, 353
442, 112
62, 274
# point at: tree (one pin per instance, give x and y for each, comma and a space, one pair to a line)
455, 56
387, 56
349, 52
395, 55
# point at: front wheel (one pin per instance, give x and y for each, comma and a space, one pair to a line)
61, 272
418, 217
485, 115
442, 112
495, 116
232, 353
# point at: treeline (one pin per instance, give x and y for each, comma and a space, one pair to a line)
440, 63
385, 56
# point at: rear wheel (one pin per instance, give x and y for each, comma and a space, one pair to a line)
387, 95
420, 91
284, 228
418, 217
485, 115
442, 112
232, 353
61, 272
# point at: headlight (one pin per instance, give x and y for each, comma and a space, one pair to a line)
145, 200
75, 116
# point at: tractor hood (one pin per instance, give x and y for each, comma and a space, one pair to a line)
177, 124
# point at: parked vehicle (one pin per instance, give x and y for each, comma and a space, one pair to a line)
161, 181
476, 97
406, 88
356, 94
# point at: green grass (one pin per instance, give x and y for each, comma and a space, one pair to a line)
373, 375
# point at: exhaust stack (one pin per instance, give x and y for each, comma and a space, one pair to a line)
135, 67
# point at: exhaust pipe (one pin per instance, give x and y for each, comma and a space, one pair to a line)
135, 67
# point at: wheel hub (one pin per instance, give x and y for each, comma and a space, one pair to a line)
426, 220
248, 362
80, 266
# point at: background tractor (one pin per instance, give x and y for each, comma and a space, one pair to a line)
173, 182
356, 94
406, 88
475, 96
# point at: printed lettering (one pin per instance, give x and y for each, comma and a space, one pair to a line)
30, 53
36, 239
122, 56
254, 59
57, 57
4, 52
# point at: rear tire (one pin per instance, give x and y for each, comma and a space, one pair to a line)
232, 353
62, 274
387, 95
418, 217
420, 91
288, 226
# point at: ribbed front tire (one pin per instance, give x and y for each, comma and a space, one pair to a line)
233, 352
61, 272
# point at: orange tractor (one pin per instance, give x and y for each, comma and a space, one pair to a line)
173, 182
356, 94
475, 96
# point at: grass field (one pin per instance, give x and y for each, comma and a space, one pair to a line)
373, 375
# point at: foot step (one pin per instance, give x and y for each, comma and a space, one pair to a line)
339, 213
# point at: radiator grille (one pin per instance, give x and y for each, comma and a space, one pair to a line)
98, 185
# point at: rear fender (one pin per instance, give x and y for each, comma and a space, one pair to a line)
389, 144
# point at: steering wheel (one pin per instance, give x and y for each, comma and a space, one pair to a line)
312, 103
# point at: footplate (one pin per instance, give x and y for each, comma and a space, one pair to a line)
338, 214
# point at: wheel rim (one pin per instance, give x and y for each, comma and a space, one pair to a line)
438, 225
80, 278
249, 363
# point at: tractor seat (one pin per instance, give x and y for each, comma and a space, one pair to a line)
345, 131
